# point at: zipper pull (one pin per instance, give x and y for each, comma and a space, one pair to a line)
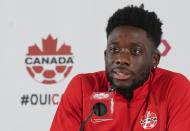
128, 104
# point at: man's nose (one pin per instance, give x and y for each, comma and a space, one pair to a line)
123, 58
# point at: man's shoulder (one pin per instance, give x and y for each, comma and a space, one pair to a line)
97, 74
97, 80
165, 80
166, 75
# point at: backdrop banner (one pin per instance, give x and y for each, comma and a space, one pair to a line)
45, 43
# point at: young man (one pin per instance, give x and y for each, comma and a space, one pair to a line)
144, 96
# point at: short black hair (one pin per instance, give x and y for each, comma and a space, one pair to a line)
137, 17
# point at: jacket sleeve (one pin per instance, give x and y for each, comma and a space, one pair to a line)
179, 105
68, 115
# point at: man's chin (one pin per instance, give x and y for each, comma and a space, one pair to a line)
122, 84
123, 87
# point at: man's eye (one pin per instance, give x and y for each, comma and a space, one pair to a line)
114, 50
136, 51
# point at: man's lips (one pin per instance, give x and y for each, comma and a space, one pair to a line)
121, 74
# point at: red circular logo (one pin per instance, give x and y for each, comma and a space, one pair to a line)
149, 120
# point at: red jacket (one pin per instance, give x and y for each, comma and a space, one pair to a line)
161, 104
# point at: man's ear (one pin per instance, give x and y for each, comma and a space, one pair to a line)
104, 53
155, 59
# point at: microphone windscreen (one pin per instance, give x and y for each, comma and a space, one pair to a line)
100, 109
103, 105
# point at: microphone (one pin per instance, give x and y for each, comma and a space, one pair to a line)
101, 104
99, 109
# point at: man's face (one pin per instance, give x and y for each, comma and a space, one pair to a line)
128, 57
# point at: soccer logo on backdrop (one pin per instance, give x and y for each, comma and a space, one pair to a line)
49, 65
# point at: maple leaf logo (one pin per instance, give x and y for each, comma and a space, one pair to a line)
49, 48
49, 65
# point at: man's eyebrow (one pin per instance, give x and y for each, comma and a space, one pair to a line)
137, 44
114, 42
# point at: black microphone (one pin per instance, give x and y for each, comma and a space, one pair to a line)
99, 109
101, 104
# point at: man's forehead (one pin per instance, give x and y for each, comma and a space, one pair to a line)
130, 37
127, 32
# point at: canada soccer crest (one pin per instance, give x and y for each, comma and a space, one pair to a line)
149, 120
49, 65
